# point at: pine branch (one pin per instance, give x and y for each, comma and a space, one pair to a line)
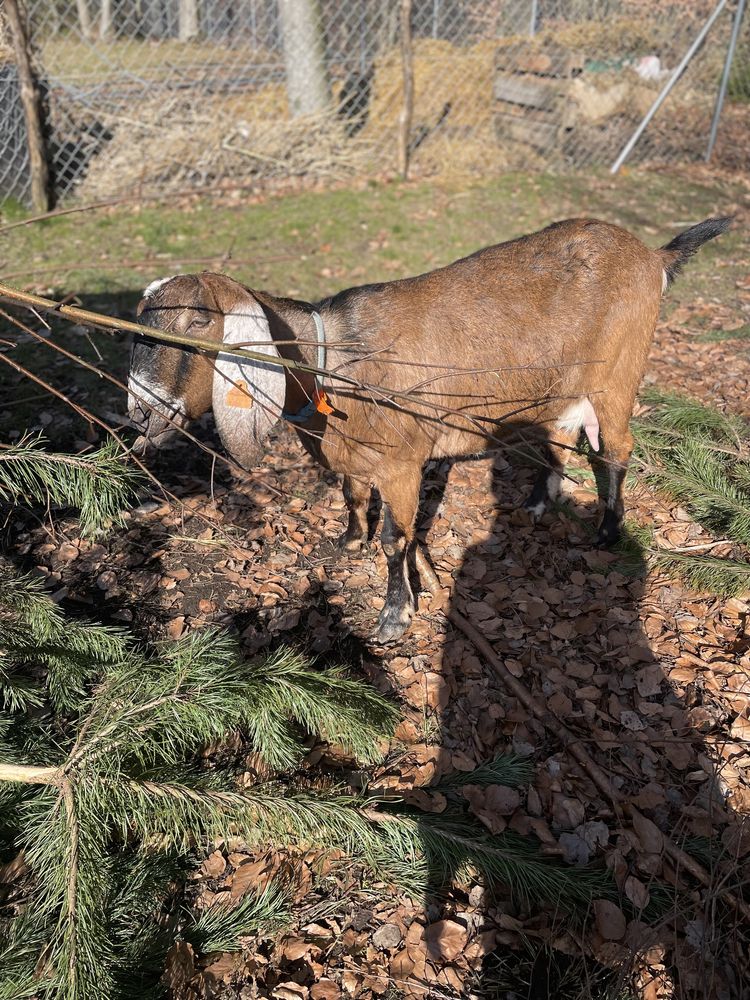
99, 485
723, 577
124, 776
427, 851
155, 712
35, 630
698, 455
675, 412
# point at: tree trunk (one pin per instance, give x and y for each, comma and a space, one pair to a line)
105, 20
407, 108
188, 20
84, 18
305, 56
32, 108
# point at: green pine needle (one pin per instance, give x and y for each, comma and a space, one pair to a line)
220, 927
426, 851
674, 412
99, 485
699, 456
505, 769
723, 577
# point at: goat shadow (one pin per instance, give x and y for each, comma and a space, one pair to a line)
566, 618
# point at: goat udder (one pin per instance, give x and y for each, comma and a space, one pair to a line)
581, 415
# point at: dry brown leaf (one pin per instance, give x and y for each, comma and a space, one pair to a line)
294, 948
740, 729
179, 967
214, 865
445, 940
610, 920
325, 989
252, 876
648, 833
636, 892
290, 991
567, 812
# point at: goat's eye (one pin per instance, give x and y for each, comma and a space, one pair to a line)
200, 321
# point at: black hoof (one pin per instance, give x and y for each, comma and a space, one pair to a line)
609, 531
392, 624
537, 501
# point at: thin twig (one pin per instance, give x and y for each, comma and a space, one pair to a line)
125, 199
228, 460
87, 416
72, 876
102, 321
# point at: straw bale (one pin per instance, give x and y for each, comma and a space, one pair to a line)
198, 141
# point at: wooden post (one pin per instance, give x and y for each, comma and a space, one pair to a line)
32, 108
407, 108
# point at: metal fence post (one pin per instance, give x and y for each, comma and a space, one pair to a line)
407, 108
628, 148
725, 77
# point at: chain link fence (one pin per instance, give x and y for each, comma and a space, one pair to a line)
158, 95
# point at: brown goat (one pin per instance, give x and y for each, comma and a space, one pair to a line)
546, 333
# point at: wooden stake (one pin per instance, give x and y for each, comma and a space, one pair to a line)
32, 107
407, 108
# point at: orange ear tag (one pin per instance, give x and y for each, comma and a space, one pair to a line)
321, 402
239, 396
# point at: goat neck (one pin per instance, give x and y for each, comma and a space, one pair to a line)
294, 333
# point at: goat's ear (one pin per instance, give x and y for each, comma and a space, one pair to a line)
248, 396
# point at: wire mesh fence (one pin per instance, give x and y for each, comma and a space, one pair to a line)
157, 95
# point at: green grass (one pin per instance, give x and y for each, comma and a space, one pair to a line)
69, 56
717, 336
314, 243
375, 232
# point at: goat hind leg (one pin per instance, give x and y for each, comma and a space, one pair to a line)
616, 458
357, 498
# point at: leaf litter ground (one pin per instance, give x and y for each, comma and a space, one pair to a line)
653, 678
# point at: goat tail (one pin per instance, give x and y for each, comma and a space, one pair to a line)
677, 252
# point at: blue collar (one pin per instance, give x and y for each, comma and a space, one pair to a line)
310, 408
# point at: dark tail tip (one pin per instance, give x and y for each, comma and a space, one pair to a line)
682, 247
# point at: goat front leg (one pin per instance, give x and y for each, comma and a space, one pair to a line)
397, 536
357, 498
549, 478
